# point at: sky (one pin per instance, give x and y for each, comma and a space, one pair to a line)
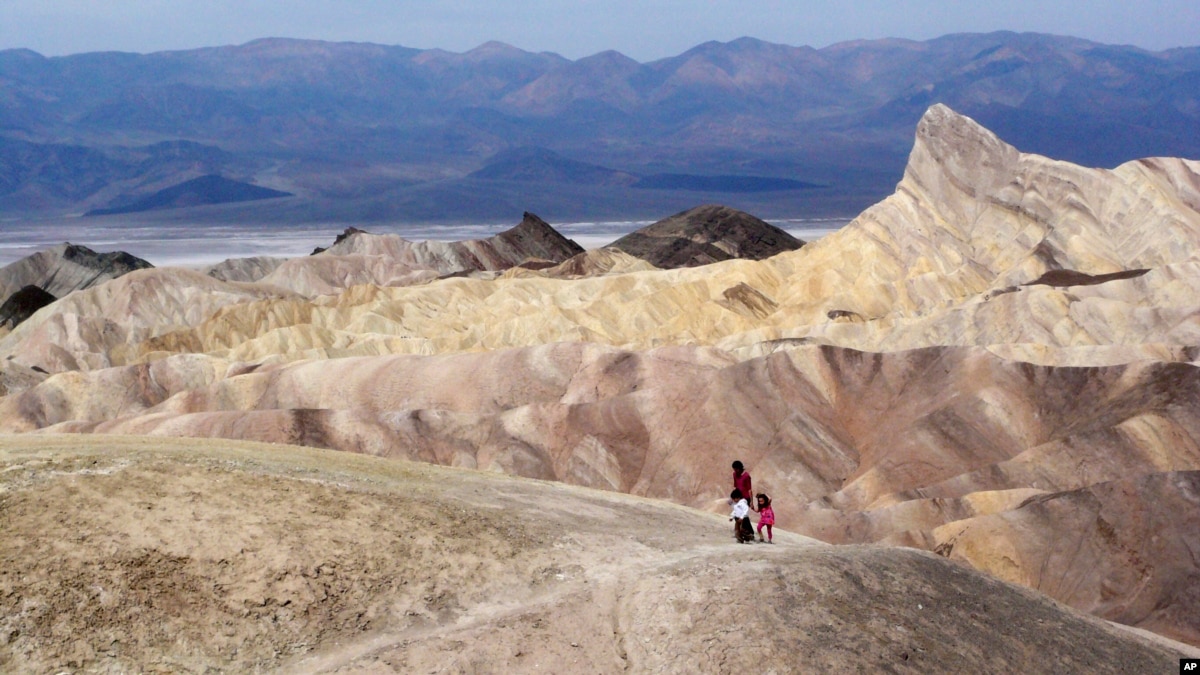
642, 29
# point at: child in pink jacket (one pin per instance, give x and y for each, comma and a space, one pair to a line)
766, 516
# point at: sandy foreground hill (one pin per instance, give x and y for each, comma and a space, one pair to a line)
997, 364
123, 554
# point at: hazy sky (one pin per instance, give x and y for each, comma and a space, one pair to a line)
642, 29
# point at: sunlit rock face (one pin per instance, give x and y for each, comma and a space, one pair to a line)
996, 363
975, 228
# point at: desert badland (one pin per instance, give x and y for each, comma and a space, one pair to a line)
976, 408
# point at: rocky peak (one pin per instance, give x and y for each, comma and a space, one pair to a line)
346, 234
706, 234
535, 238
114, 263
66, 268
952, 151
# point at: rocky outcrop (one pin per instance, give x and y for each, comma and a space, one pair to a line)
22, 304
114, 323
358, 258
244, 269
593, 263
35, 281
66, 268
531, 238
703, 235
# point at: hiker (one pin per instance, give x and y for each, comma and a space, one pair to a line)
742, 529
741, 481
766, 517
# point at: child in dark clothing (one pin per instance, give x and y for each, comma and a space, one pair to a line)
742, 529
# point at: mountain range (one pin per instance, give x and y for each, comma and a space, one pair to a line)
365, 132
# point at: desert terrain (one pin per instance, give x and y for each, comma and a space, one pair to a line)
134, 554
995, 365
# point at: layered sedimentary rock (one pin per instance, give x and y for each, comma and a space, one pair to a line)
1122, 531
950, 259
593, 263
1004, 330
66, 268
244, 269
96, 327
41, 278
390, 260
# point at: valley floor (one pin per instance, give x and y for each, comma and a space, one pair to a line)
182, 245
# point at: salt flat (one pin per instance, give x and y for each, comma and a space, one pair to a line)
175, 245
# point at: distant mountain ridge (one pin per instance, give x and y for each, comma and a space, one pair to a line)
205, 190
363, 132
539, 165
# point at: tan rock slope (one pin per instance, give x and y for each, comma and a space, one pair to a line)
944, 261
390, 260
96, 327
65, 268
1004, 329
37, 280
1121, 529
120, 554
853, 447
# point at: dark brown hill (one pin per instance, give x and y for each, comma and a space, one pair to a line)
22, 304
704, 235
535, 238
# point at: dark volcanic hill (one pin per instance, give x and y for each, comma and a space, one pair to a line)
205, 190
703, 235
22, 304
371, 132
